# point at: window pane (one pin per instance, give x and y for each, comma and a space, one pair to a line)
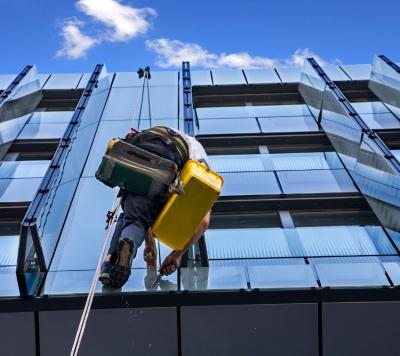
282, 276
288, 124
23, 169
51, 117
256, 76
8, 282
344, 240
317, 181
63, 81
145, 124
122, 104
358, 71
222, 77
214, 126
335, 73
239, 163
247, 243
261, 183
131, 79
370, 107
289, 74
381, 121
40, 131
280, 110
217, 278
18, 190
305, 161
350, 272
201, 77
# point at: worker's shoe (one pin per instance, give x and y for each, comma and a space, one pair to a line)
121, 269
105, 273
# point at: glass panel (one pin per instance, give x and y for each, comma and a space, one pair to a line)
78, 282
317, 181
29, 84
271, 162
224, 77
344, 240
257, 76
371, 107
8, 282
213, 278
385, 82
381, 121
23, 169
261, 183
105, 131
282, 276
63, 81
358, 71
247, 243
289, 74
397, 154
350, 272
145, 124
131, 79
200, 77
42, 131
242, 126
288, 124
124, 103
43, 79
6, 80
393, 270
51, 117
252, 111
18, 190
84, 81
335, 73
10, 129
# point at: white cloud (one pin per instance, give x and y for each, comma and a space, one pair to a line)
122, 23
125, 22
75, 43
171, 53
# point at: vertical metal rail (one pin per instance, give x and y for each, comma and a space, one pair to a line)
187, 99
199, 250
6, 93
26, 262
353, 113
390, 63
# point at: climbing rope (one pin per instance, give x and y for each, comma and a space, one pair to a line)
111, 218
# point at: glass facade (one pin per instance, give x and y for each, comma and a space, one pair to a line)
285, 166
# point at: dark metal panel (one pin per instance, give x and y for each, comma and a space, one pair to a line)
128, 331
280, 329
17, 334
361, 329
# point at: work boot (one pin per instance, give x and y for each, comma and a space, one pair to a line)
105, 273
121, 269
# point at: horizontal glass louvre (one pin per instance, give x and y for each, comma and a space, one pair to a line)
261, 76
200, 77
228, 126
350, 272
316, 181
63, 81
358, 71
381, 121
370, 107
23, 169
335, 73
288, 124
131, 79
226, 77
51, 117
42, 131
239, 184
18, 190
397, 154
289, 74
321, 241
8, 282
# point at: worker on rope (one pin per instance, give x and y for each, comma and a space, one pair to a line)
139, 212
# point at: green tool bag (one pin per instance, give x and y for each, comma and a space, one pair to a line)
136, 170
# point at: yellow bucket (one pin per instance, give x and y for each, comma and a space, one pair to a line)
182, 214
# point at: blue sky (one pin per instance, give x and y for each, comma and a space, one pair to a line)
74, 35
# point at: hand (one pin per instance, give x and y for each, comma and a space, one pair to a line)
170, 264
150, 255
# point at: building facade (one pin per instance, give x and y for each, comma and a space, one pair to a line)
302, 253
